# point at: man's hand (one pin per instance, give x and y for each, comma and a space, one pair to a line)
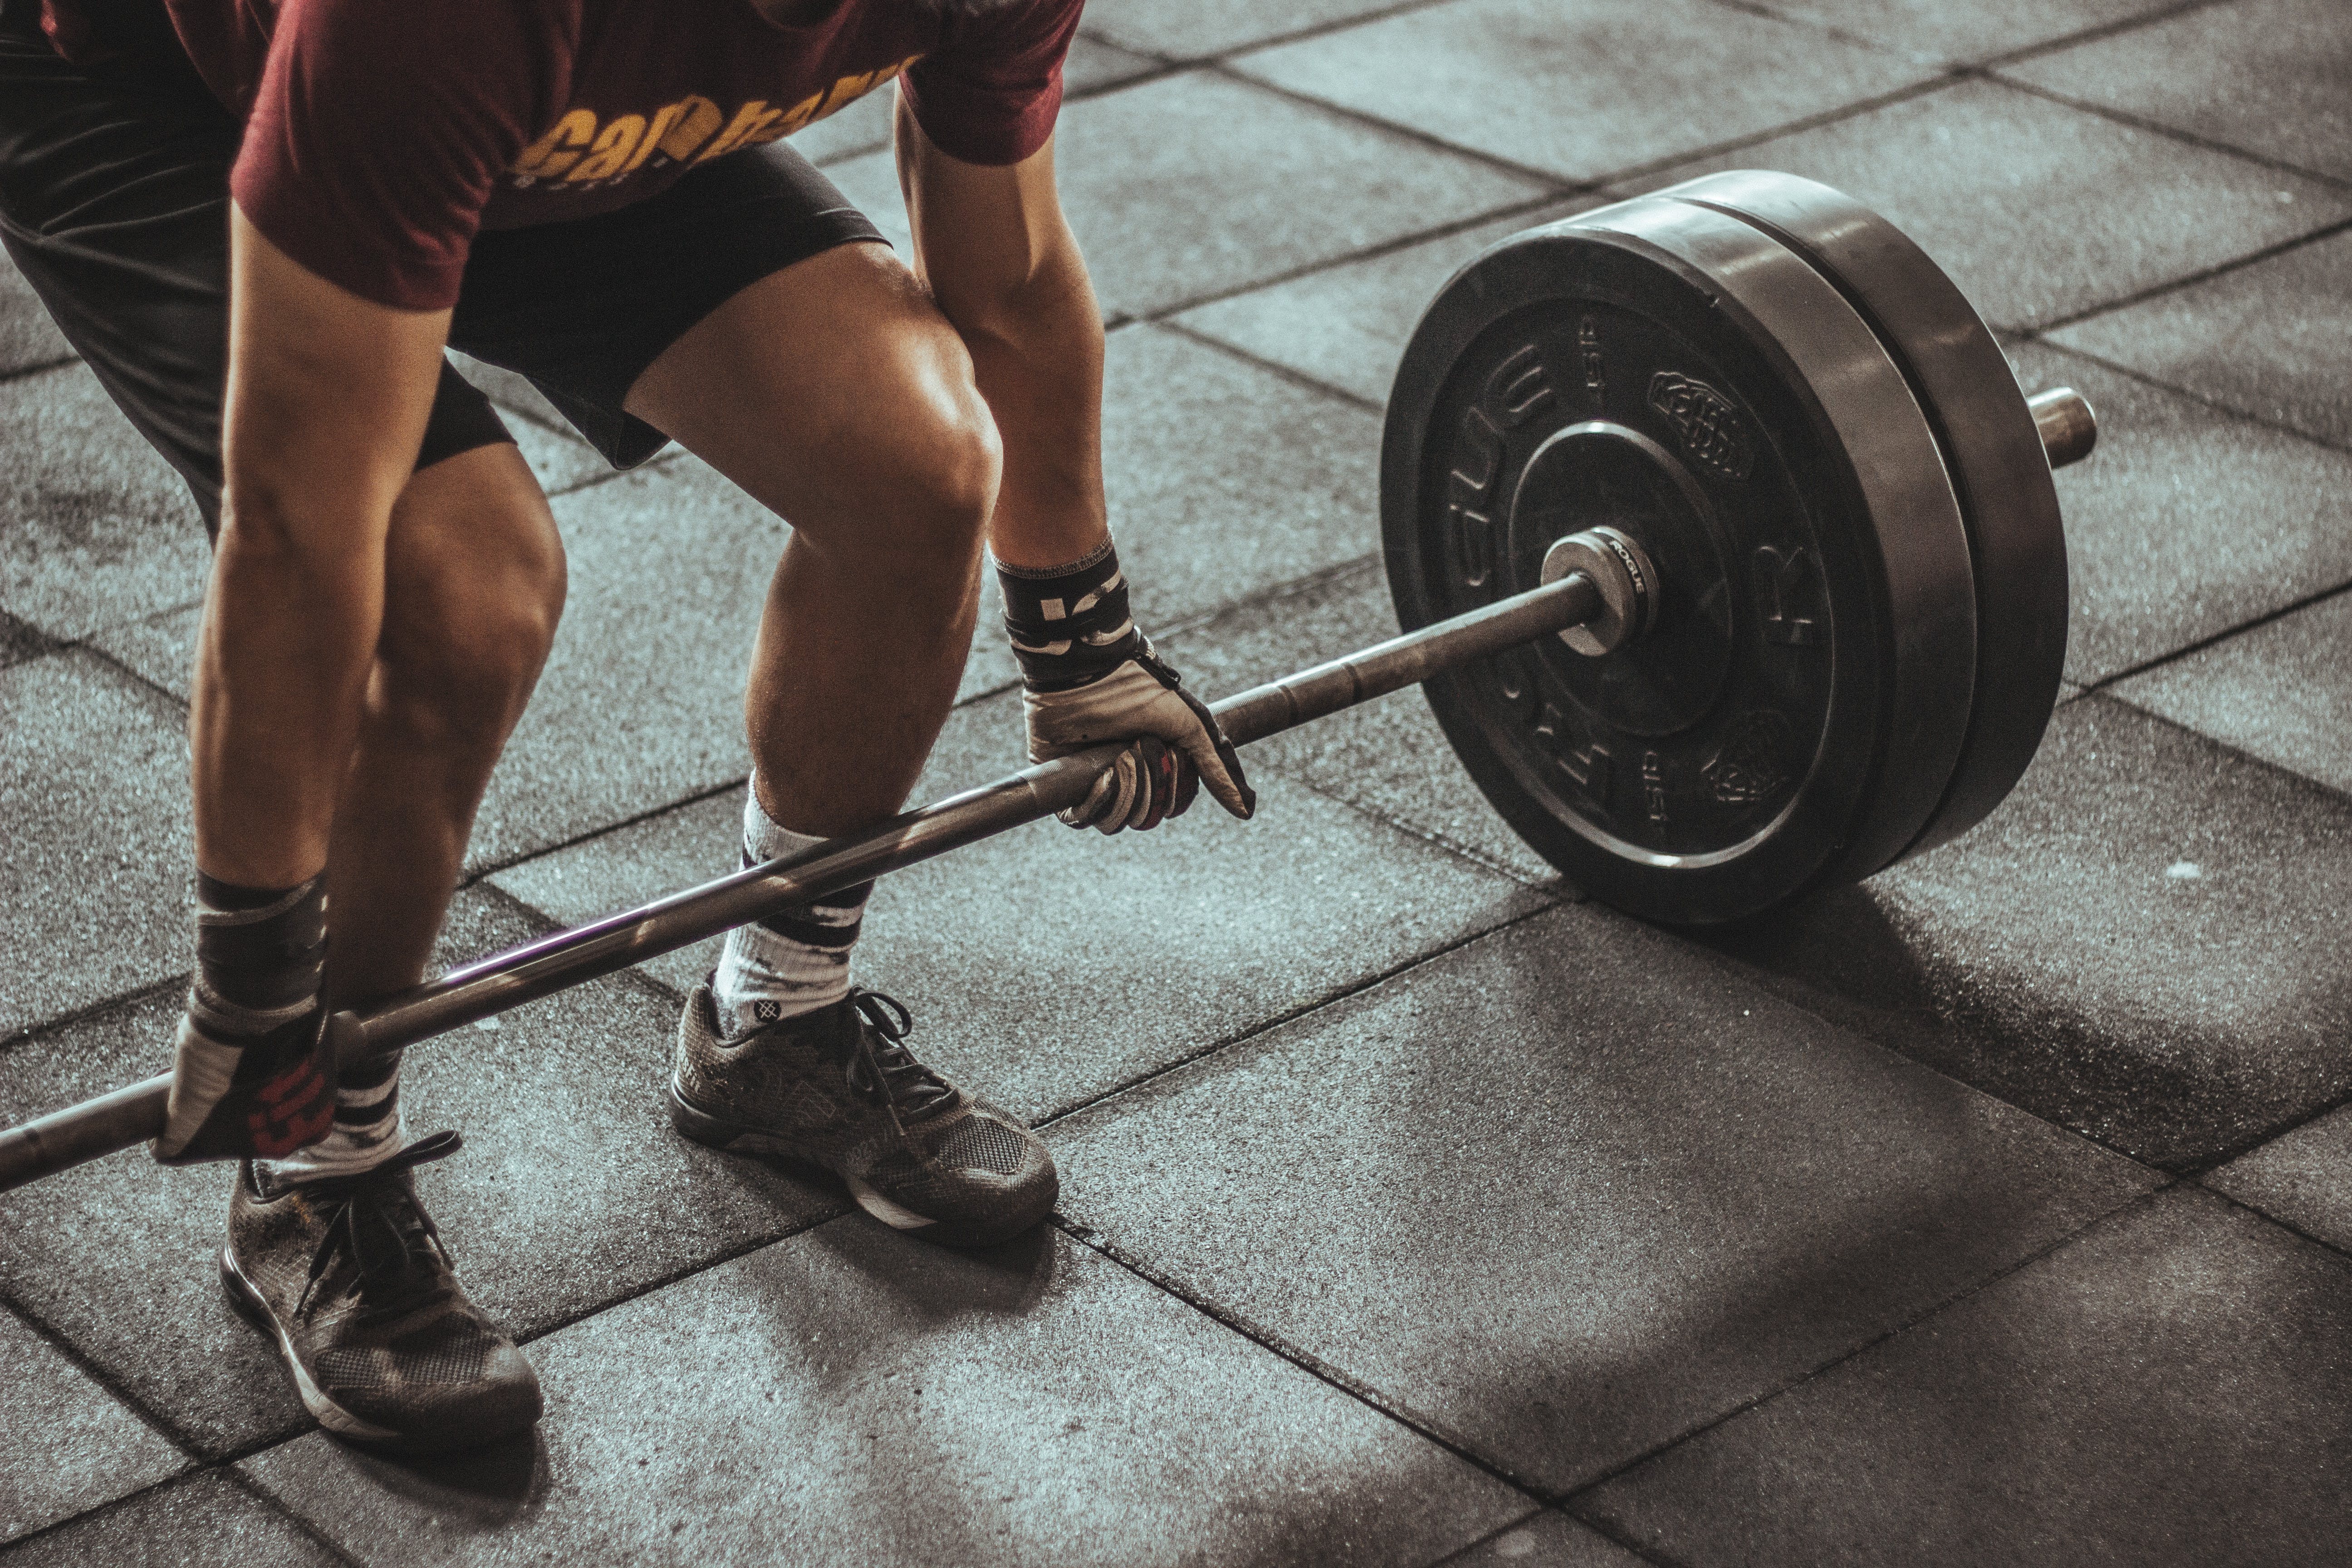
1155, 778
1090, 676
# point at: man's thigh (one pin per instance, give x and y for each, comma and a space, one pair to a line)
114, 206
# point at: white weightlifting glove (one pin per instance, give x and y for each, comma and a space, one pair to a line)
1089, 675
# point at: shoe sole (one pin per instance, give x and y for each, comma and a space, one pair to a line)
254, 1308
733, 1138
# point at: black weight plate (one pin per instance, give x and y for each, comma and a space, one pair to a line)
1994, 453
1794, 715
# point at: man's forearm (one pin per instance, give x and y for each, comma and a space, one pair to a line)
1037, 356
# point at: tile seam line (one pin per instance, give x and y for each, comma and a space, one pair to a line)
1344, 992
124, 999
1462, 1553
2130, 121
17, 1544
2104, 686
1297, 35
2036, 337
290, 1515
1299, 379
2287, 1127
2186, 281
27, 373
679, 1276
1559, 185
2268, 1218
181, 1441
1577, 1500
1161, 315
2097, 32
2238, 754
1306, 1360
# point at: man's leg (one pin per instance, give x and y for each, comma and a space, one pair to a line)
836, 395
474, 586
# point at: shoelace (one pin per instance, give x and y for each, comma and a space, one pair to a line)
881, 1067
386, 1230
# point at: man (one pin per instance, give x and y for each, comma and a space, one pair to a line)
260, 229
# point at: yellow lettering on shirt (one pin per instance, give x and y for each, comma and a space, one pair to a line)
556, 151
677, 128
744, 128
611, 153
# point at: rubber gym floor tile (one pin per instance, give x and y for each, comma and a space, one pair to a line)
1387, 756
1937, 30
2268, 76
1566, 1193
1046, 965
855, 1396
2185, 521
205, 1520
2303, 1178
1589, 90
642, 700
2143, 944
1192, 185
1548, 1541
2282, 692
1196, 29
94, 859
1346, 326
95, 529
2271, 339
2039, 211
65, 1444
572, 1191
2168, 1388
1224, 478
27, 336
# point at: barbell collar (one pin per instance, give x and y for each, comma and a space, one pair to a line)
131, 1115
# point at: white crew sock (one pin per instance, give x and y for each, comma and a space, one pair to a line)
796, 960
368, 1130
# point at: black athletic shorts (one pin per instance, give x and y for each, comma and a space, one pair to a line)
114, 204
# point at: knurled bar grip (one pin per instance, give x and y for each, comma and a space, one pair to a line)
131, 1115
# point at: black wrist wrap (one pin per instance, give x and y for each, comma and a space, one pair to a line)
1069, 625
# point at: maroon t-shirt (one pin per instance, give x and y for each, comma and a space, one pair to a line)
381, 134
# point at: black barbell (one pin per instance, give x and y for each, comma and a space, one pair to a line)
1726, 548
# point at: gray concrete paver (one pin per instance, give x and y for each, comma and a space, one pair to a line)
1937, 30
2303, 1177
852, 1396
1237, 186
2267, 76
572, 1191
2271, 338
95, 529
1347, 326
65, 1444
1589, 90
2143, 943
1046, 965
2282, 692
27, 336
94, 862
2186, 521
2037, 210
1564, 1195
2168, 1388
205, 1521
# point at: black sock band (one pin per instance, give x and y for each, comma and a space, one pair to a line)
1069, 625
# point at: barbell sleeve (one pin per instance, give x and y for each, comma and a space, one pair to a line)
131, 1115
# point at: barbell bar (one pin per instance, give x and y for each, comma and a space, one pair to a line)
1599, 590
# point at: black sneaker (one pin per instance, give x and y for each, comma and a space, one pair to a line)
836, 1087
350, 1275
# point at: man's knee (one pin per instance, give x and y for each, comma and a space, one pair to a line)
937, 463
471, 605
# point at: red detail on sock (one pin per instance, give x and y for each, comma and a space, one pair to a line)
290, 1110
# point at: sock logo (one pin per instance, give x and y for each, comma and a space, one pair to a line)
767, 1011
292, 1110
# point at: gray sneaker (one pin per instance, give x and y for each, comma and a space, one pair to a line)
838, 1088
349, 1277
